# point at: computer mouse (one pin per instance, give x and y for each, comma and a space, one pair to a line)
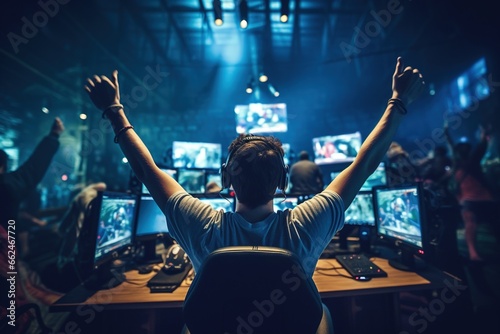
176, 260
363, 278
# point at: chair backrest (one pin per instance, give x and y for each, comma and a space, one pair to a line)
252, 290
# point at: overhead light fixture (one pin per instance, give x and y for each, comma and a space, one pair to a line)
285, 10
273, 90
263, 77
217, 6
243, 14
250, 86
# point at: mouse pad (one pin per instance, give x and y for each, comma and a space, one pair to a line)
163, 282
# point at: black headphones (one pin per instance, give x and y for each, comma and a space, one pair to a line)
226, 175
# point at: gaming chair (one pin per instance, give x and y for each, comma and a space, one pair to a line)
254, 289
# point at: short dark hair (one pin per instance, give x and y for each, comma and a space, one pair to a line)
255, 168
303, 155
4, 158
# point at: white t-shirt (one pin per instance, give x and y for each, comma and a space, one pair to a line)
305, 230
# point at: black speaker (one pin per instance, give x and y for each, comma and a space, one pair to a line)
226, 175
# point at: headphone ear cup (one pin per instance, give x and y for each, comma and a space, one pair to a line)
225, 179
284, 178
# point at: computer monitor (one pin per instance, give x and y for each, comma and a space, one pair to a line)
170, 171
469, 88
113, 217
213, 180
218, 203
287, 153
151, 226
192, 180
196, 154
377, 178
336, 148
282, 203
261, 118
360, 212
400, 222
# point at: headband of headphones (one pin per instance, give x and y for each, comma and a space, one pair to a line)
226, 175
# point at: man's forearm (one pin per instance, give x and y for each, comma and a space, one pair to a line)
32, 171
137, 154
378, 141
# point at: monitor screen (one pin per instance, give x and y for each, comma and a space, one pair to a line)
218, 203
261, 118
196, 154
192, 180
151, 221
115, 225
170, 171
282, 203
360, 212
470, 87
377, 178
286, 156
336, 149
399, 220
214, 181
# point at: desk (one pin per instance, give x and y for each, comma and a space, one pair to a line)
133, 294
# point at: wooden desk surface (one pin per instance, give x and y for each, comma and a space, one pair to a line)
134, 293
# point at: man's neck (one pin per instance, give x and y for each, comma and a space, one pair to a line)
256, 214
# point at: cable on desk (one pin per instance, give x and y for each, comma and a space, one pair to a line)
330, 268
134, 283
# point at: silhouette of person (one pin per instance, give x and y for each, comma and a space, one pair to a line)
306, 177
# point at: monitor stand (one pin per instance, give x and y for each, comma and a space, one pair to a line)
148, 254
407, 261
365, 236
107, 276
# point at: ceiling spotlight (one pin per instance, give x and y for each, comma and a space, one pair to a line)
45, 110
273, 90
217, 5
243, 14
263, 77
250, 86
83, 116
285, 10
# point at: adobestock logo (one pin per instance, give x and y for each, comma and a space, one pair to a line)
420, 319
40, 19
362, 38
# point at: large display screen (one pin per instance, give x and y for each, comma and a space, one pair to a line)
336, 148
261, 118
196, 154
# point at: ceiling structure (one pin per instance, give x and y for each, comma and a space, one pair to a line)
180, 35
170, 54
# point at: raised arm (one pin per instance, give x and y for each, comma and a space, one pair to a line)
31, 172
407, 84
105, 94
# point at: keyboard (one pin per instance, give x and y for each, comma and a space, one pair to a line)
360, 266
